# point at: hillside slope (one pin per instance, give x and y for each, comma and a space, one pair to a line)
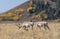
33, 10
16, 12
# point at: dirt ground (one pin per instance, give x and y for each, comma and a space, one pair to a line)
10, 31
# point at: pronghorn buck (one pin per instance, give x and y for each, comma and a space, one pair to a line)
42, 24
26, 25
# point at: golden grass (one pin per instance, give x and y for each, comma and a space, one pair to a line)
10, 31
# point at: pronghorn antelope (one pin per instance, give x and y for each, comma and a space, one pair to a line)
42, 24
26, 25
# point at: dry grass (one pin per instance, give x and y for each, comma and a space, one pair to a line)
10, 31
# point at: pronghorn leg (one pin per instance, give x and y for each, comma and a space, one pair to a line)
39, 26
32, 27
18, 26
25, 28
46, 26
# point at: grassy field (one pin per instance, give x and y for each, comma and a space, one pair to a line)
10, 31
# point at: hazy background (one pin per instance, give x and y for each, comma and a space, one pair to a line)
5, 5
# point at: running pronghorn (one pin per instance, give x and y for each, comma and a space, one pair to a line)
25, 25
42, 24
